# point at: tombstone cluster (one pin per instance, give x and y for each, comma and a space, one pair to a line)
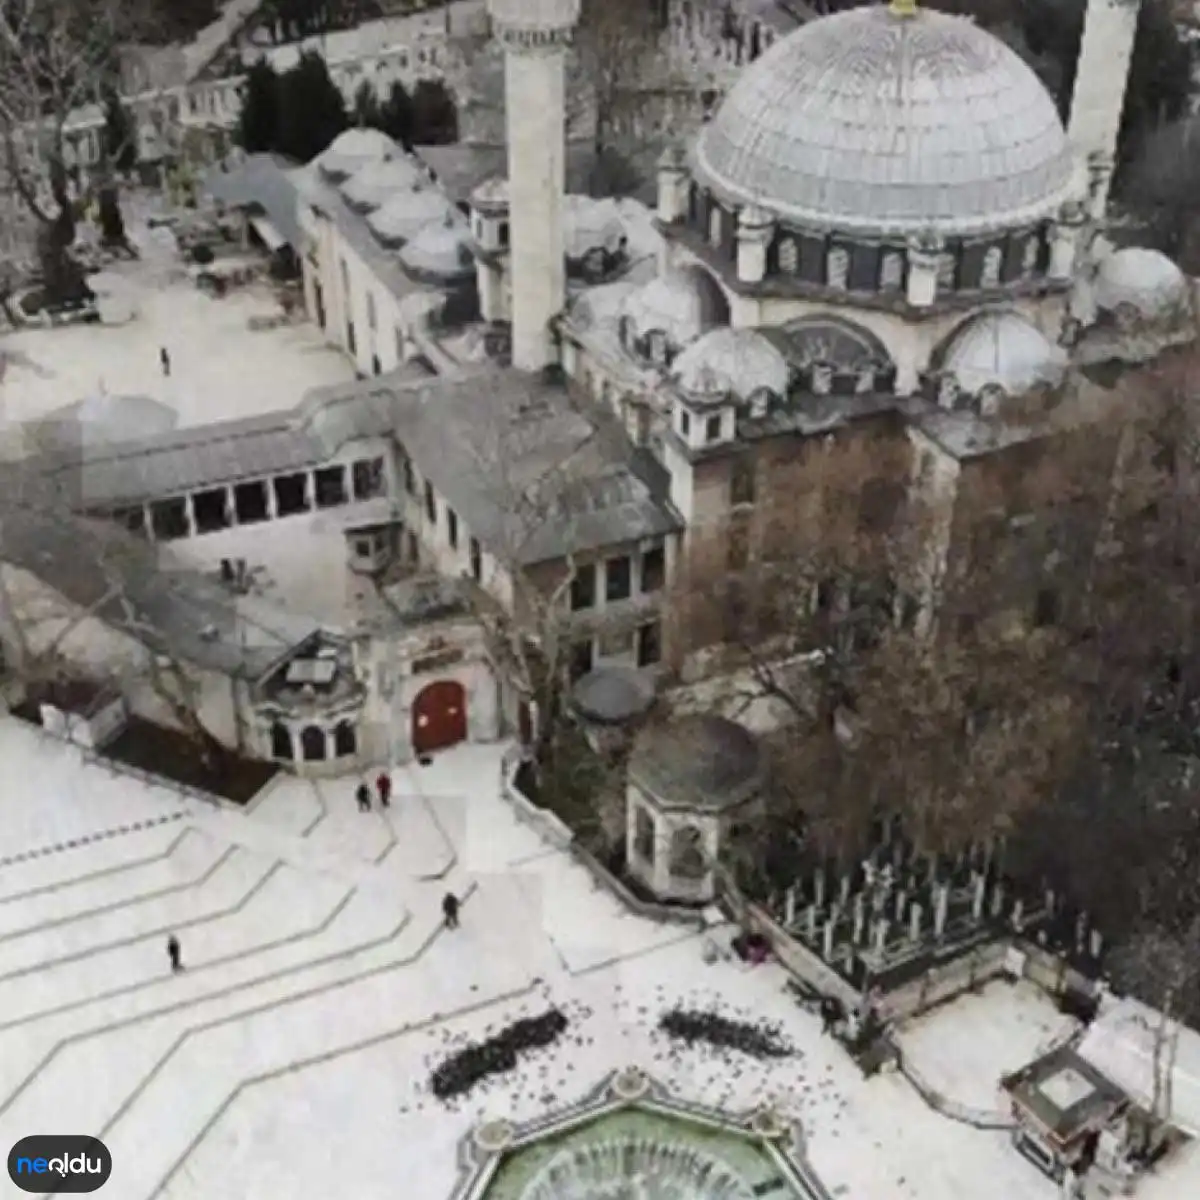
464, 1069
758, 1041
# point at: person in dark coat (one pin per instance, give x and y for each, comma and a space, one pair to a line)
164, 359
363, 796
175, 954
450, 910
384, 786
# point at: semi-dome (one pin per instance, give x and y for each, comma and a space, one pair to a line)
681, 305
740, 362
601, 305
440, 251
377, 181
590, 224
406, 213
352, 149
1146, 280
870, 120
1002, 350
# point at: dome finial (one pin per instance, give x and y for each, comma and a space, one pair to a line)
904, 8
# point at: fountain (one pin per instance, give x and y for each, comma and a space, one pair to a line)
630, 1140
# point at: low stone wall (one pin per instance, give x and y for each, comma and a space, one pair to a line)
942, 983
552, 828
544, 822
791, 952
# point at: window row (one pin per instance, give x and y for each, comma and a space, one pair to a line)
214, 509
618, 581
314, 743
965, 265
643, 644
428, 498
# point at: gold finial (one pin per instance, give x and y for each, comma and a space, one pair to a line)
904, 8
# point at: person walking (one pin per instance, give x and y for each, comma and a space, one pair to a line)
164, 360
175, 954
384, 786
363, 796
450, 910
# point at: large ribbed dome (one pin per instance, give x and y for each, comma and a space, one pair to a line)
873, 121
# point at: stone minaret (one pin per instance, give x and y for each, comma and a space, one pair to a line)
1099, 97
535, 35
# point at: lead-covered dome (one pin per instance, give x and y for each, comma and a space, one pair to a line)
1002, 350
869, 120
1145, 280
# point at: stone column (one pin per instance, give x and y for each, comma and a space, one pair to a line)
755, 230
924, 258
1064, 241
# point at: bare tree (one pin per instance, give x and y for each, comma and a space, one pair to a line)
58, 58
1162, 186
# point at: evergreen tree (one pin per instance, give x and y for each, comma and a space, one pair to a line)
259, 119
434, 115
311, 109
367, 113
396, 116
120, 135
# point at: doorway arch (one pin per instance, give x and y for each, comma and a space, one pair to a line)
439, 716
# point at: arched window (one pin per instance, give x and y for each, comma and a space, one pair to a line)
990, 398
370, 311
989, 276
838, 267
891, 272
1029, 256
643, 835
625, 332
281, 741
789, 256
345, 740
947, 392
312, 743
688, 860
947, 272
715, 225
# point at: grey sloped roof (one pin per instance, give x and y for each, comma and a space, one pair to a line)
171, 609
876, 122
701, 762
106, 475
266, 180
531, 475
460, 168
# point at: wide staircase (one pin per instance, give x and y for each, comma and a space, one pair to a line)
298, 943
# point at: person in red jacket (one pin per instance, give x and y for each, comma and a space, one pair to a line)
383, 785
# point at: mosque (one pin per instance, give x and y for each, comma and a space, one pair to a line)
882, 244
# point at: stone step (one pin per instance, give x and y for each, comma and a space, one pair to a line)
290, 904
217, 887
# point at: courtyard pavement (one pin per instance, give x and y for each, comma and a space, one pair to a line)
291, 1057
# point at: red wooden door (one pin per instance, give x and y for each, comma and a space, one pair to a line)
439, 716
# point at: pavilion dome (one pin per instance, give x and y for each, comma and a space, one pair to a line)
376, 181
406, 213
591, 224
600, 305
1002, 350
1145, 280
352, 149
874, 121
440, 251
739, 361
681, 305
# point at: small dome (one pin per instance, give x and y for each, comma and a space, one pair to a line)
601, 305
612, 695
1145, 279
591, 224
107, 419
869, 120
491, 193
352, 149
680, 304
699, 762
741, 361
440, 251
377, 181
1002, 349
405, 214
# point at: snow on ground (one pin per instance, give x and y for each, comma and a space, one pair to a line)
220, 368
964, 1048
292, 1057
